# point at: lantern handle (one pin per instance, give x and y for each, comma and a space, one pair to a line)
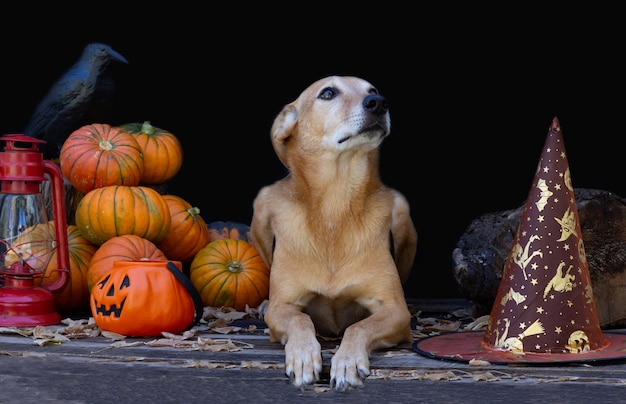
60, 220
193, 292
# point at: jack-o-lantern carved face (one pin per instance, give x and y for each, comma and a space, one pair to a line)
141, 298
111, 298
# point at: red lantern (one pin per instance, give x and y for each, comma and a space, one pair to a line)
22, 248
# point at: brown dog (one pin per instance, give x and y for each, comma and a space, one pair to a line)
338, 242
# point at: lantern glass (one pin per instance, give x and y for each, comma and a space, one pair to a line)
24, 231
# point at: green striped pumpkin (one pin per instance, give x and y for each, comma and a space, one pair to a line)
231, 273
116, 210
99, 155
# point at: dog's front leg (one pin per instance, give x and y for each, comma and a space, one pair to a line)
303, 352
386, 328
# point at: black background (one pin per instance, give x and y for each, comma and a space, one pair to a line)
472, 94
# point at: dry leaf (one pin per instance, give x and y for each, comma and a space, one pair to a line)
484, 377
462, 313
440, 376
213, 346
259, 365
207, 364
228, 314
185, 335
478, 362
75, 323
219, 323
34, 355
15, 330
170, 342
53, 339
443, 326
44, 336
258, 312
479, 324
226, 330
113, 335
124, 344
79, 328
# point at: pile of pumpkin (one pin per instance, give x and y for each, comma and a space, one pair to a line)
122, 217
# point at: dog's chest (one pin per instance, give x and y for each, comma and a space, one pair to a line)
332, 231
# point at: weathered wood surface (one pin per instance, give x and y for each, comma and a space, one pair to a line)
480, 253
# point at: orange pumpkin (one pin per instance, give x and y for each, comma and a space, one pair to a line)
142, 298
231, 273
116, 210
188, 232
162, 151
98, 155
41, 254
220, 230
128, 247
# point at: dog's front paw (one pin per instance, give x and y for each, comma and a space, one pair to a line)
349, 368
303, 361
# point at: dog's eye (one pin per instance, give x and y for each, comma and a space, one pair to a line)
328, 93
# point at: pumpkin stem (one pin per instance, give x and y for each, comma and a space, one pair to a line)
147, 128
105, 145
195, 211
235, 267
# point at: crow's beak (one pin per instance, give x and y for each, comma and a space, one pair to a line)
117, 56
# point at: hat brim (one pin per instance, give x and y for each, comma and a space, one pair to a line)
466, 346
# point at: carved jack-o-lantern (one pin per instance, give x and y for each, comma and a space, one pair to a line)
143, 298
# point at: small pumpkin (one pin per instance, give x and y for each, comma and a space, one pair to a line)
128, 247
162, 151
98, 155
188, 232
230, 272
220, 230
116, 210
41, 255
75, 296
142, 298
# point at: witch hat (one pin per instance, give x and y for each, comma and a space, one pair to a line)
544, 310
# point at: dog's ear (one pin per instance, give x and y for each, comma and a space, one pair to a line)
282, 129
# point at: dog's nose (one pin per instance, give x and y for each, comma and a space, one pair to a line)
376, 104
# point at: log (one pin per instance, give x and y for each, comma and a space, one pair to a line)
481, 251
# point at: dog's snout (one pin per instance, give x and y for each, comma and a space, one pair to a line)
376, 103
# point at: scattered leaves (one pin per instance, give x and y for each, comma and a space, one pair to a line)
43, 336
438, 375
479, 324
201, 344
227, 314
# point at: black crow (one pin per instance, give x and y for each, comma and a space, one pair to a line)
77, 98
